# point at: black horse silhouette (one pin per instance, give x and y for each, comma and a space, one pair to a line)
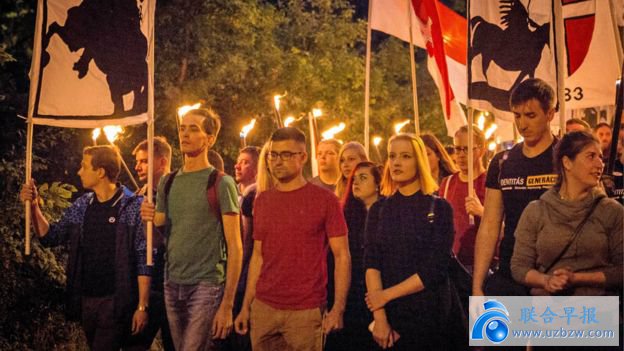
109, 31
517, 47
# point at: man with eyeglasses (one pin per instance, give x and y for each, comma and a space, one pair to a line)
294, 223
454, 189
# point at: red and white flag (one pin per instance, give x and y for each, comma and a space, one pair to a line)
591, 53
512, 40
92, 63
440, 31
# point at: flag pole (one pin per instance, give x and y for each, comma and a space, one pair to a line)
470, 121
618, 38
367, 81
413, 68
470, 156
561, 67
34, 83
27, 204
313, 142
150, 135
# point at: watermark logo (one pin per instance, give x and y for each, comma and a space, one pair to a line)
493, 322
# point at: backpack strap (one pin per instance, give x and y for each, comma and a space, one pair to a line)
214, 180
446, 186
168, 184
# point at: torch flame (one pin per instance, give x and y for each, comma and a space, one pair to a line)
247, 128
481, 121
331, 132
288, 121
182, 110
400, 125
490, 130
377, 140
112, 132
96, 133
276, 101
317, 112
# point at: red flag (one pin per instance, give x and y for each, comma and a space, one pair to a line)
428, 18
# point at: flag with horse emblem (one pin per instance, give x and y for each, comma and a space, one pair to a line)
512, 40
92, 63
509, 41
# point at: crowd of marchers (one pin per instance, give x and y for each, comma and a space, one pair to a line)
357, 258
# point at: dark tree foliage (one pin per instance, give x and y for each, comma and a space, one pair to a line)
233, 55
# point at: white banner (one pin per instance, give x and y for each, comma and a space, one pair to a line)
91, 63
591, 54
508, 44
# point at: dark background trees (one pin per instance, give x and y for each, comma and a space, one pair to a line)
234, 55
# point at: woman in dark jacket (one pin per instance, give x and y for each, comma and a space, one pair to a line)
362, 191
408, 244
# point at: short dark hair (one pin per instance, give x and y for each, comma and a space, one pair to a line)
600, 125
570, 145
533, 88
578, 121
106, 157
161, 147
252, 151
212, 122
289, 133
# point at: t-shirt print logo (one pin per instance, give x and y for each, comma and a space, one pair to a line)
541, 181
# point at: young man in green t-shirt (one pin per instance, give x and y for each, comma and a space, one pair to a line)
199, 289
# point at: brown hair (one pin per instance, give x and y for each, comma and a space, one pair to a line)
211, 123
446, 165
161, 147
106, 157
375, 169
570, 145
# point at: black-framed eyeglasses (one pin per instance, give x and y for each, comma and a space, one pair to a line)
284, 155
459, 149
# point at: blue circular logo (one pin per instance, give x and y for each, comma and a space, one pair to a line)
492, 322
496, 330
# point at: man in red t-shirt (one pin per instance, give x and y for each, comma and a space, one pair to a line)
286, 285
454, 189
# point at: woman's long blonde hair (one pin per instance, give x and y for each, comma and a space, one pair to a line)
428, 185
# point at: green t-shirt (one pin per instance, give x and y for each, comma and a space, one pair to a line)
195, 244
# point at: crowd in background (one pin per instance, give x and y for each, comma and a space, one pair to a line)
356, 258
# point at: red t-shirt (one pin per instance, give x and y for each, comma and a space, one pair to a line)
465, 234
294, 228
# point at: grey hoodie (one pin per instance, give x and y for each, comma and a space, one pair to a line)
546, 226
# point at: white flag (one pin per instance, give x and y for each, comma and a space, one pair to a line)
91, 63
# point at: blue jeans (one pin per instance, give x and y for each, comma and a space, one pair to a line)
191, 310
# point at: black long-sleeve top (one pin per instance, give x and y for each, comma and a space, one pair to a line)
401, 241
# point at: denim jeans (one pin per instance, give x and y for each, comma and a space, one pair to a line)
191, 310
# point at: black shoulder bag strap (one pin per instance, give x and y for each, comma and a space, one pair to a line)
575, 235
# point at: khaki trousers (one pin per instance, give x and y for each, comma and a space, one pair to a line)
294, 330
